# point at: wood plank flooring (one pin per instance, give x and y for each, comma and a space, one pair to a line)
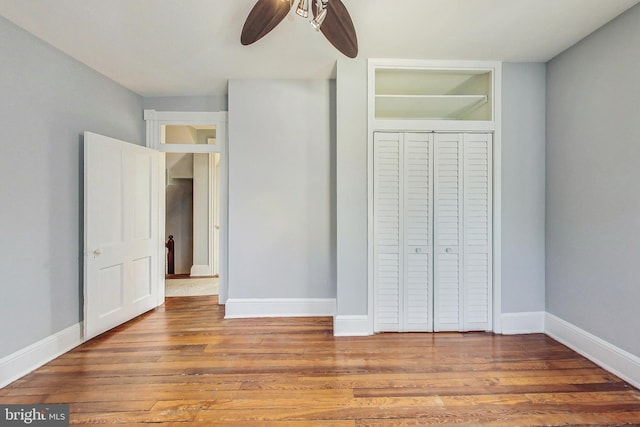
184, 365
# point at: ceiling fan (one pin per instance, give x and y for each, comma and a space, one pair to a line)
328, 16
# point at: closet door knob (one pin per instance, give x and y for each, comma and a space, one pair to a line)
418, 250
448, 250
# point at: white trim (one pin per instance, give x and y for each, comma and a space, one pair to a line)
188, 148
238, 308
351, 326
156, 119
523, 323
20, 363
614, 359
200, 270
445, 64
370, 205
162, 214
497, 198
419, 125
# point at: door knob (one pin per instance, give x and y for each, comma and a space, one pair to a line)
418, 250
97, 251
448, 250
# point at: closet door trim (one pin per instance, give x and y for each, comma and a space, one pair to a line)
354, 307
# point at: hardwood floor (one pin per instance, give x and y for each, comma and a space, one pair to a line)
183, 364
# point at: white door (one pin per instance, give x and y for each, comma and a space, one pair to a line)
121, 232
477, 226
402, 230
418, 283
462, 232
448, 230
388, 226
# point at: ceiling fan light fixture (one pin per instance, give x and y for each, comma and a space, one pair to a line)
335, 24
316, 23
303, 8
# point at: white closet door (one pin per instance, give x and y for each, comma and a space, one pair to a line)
462, 226
432, 232
448, 183
418, 252
402, 229
477, 232
388, 226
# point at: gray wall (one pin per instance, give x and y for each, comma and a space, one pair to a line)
593, 208
48, 101
351, 186
281, 189
523, 187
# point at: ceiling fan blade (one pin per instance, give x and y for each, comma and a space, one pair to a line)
338, 28
264, 17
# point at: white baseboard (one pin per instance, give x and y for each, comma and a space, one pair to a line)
614, 359
523, 323
20, 363
279, 307
351, 326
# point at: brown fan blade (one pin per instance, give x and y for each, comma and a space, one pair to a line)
264, 17
338, 28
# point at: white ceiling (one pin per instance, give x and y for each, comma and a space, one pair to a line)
192, 47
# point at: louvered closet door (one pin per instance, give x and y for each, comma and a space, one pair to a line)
387, 231
477, 219
462, 232
448, 232
418, 247
402, 232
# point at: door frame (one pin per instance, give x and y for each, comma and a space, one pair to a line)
155, 120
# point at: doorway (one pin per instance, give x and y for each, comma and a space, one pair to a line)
192, 224
192, 212
194, 200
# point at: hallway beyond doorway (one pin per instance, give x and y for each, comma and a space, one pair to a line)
183, 285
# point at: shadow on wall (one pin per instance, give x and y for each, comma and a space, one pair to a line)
179, 222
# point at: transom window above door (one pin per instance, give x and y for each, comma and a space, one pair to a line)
181, 132
188, 134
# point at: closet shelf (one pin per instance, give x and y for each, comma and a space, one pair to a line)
443, 107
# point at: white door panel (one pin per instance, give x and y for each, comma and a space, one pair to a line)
477, 232
402, 229
417, 316
121, 257
388, 231
448, 184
